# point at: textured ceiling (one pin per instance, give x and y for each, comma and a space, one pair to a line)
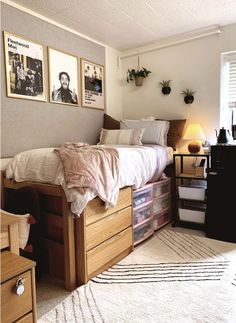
125, 24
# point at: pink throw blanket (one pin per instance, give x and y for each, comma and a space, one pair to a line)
91, 167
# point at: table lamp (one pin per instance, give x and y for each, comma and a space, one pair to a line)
194, 132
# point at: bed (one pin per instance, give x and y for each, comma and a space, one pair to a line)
76, 248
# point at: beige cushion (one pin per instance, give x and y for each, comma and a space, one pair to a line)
121, 137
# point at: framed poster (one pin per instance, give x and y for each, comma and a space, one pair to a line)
24, 62
92, 85
63, 77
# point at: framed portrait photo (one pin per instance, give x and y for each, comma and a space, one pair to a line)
63, 77
92, 85
24, 62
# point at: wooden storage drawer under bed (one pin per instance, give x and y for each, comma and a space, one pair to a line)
101, 255
103, 236
108, 227
95, 209
26, 319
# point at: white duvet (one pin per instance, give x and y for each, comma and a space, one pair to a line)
138, 165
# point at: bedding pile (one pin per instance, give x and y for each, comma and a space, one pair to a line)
91, 168
137, 166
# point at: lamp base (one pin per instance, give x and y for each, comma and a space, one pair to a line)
194, 147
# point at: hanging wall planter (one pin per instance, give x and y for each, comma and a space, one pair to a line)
138, 80
166, 89
188, 96
137, 75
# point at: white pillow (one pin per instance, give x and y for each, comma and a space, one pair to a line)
155, 131
23, 228
148, 119
121, 137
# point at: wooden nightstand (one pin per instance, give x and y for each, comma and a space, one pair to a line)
16, 270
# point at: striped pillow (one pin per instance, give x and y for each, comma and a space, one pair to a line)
121, 137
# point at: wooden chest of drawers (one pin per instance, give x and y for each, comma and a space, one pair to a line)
103, 236
17, 308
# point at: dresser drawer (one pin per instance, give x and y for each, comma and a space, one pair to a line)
14, 306
95, 209
100, 231
102, 254
26, 319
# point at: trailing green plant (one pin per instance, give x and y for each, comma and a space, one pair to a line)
188, 92
165, 83
132, 74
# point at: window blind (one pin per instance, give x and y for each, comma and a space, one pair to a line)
232, 85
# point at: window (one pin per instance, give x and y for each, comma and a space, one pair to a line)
228, 92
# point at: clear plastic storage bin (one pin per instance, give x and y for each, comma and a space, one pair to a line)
142, 213
195, 192
161, 203
161, 187
160, 219
143, 231
142, 195
197, 216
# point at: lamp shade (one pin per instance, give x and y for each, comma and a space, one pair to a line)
194, 132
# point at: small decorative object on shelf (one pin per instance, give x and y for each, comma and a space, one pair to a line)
166, 89
194, 132
137, 75
190, 188
206, 146
188, 96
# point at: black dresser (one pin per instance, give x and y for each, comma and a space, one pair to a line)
221, 194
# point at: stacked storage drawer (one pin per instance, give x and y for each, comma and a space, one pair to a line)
142, 213
191, 211
161, 203
151, 209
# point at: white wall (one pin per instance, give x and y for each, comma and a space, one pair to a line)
194, 65
113, 83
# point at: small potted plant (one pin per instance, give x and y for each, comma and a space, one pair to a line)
166, 89
188, 96
137, 76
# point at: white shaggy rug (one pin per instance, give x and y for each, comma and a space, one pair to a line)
173, 277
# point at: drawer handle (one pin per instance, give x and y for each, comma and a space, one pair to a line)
20, 287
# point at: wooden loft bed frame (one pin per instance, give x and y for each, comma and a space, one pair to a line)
77, 249
63, 220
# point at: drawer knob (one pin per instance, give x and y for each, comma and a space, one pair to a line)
20, 288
